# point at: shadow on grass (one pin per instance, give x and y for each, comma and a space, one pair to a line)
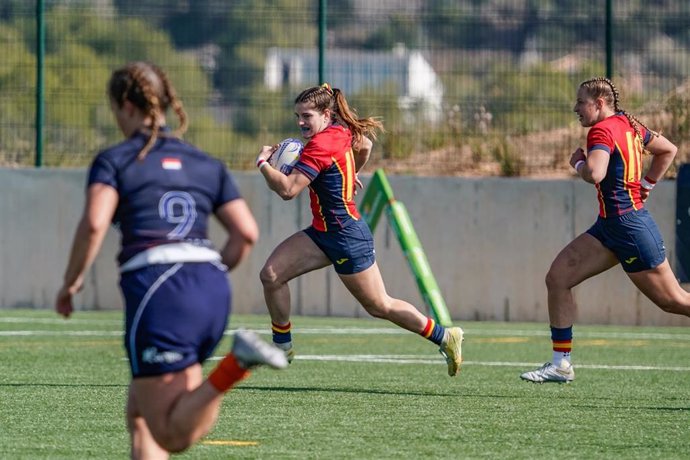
633, 408
359, 391
67, 385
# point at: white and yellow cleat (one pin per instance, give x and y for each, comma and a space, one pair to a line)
287, 348
451, 349
550, 373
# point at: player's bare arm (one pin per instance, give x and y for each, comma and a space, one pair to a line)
242, 229
362, 150
664, 152
101, 201
593, 167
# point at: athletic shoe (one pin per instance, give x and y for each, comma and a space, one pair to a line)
451, 349
287, 348
250, 351
550, 373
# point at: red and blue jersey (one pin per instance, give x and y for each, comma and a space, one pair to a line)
328, 161
619, 192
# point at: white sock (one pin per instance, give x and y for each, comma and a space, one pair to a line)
560, 356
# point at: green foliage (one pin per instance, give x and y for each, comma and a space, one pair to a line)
520, 60
77, 69
510, 161
244, 42
398, 29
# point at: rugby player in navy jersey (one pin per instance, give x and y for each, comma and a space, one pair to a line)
161, 192
337, 148
624, 233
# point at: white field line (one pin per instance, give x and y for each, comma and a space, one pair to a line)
57, 320
396, 359
423, 359
469, 332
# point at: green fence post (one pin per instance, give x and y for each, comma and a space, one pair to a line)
40, 55
609, 39
323, 7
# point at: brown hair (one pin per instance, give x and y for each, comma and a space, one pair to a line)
602, 87
147, 87
324, 97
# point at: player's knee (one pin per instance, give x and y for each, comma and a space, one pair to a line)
558, 278
174, 438
667, 305
679, 306
552, 280
174, 444
378, 308
268, 276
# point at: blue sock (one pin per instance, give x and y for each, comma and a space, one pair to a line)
281, 332
433, 331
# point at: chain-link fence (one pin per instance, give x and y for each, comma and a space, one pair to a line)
463, 86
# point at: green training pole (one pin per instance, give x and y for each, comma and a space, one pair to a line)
402, 226
379, 193
379, 196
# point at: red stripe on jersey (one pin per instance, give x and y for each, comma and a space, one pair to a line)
318, 220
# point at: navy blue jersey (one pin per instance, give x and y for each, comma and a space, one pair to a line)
165, 198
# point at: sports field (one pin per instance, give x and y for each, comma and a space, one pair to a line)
361, 389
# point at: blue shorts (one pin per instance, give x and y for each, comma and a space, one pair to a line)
350, 249
175, 315
633, 237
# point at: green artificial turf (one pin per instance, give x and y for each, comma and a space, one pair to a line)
361, 389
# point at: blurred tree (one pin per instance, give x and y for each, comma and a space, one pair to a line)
397, 29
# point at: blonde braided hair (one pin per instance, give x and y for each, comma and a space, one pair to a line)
147, 87
602, 87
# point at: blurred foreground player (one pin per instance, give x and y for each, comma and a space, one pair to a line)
160, 192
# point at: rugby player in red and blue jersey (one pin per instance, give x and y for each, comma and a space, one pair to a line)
624, 232
161, 192
337, 148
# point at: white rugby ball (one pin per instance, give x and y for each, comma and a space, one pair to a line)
286, 155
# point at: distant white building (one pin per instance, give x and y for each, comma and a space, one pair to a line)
353, 71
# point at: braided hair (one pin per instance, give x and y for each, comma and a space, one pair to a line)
324, 97
602, 87
148, 88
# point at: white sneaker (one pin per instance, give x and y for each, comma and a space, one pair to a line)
250, 351
550, 373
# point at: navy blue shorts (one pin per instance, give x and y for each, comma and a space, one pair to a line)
175, 315
350, 249
633, 237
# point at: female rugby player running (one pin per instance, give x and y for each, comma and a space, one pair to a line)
336, 150
624, 233
161, 191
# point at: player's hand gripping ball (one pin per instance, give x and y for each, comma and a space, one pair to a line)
286, 155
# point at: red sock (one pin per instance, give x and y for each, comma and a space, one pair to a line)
227, 373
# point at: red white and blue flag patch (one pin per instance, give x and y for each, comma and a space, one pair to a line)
171, 163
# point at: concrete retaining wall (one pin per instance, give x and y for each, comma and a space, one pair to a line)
489, 241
